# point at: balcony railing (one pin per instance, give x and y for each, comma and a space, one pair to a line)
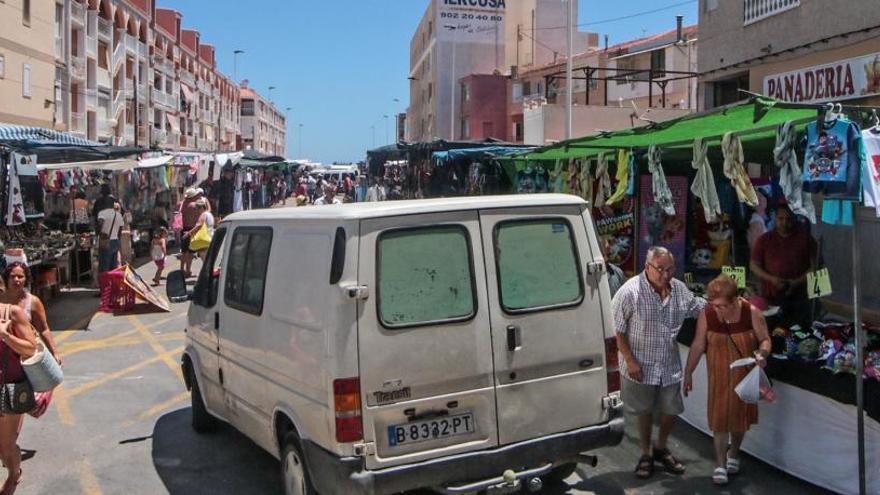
131, 44
78, 13
91, 46
103, 77
129, 134
172, 139
143, 51
78, 67
91, 99
105, 29
187, 77
757, 10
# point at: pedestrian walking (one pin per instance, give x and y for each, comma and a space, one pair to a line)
728, 329
110, 223
190, 213
648, 313
158, 251
206, 219
329, 197
17, 341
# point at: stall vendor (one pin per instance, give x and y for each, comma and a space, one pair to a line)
781, 258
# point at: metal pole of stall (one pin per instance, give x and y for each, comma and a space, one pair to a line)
860, 355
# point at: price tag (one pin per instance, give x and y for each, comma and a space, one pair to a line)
818, 283
737, 273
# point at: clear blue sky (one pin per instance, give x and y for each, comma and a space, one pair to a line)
339, 64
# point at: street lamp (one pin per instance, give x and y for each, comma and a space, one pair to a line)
396, 120
301, 152
235, 55
270, 93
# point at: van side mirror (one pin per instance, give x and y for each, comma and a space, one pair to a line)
175, 287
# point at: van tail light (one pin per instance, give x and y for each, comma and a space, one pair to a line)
347, 402
612, 364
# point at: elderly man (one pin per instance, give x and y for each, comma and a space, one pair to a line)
329, 197
648, 312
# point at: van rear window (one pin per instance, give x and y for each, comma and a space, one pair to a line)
425, 276
537, 265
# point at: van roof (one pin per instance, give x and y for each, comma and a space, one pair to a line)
408, 207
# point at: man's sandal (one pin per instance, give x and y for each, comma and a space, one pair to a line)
669, 462
732, 465
719, 476
645, 467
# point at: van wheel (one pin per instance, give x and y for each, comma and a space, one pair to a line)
560, 473
293, 468
202, 421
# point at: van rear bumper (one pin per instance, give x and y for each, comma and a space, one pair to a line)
333, 475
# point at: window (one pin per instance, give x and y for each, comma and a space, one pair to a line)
465, 129
465, 92
26, 81
246, 269
425, 276
26, 12
519, 132
205, 291
247, 108
538, 265
658, 63
103, 56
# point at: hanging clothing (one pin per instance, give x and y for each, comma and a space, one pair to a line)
731, 148
586, 179
558, 177
622, 176
15, 206
574, 173
704, 182
603, 181
790, 179
662, 194
837, 212
871, 174
833, 158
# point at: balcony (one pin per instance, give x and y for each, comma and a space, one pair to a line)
105, 29
103, 78
78, 122
129, 134
187, 78
758, 10
91, 46
78, 67
78, 13
91, 99
130, 44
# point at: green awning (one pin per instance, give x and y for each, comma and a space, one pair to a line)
753, 120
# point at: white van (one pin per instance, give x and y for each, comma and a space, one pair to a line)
456, 344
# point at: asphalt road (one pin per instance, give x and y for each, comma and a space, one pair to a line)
120, 425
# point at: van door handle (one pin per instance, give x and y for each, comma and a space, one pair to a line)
514, 338
216, 321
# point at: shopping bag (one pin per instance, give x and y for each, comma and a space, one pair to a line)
755, 386
201, 240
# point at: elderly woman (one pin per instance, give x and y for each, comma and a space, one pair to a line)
17, 340
728, 329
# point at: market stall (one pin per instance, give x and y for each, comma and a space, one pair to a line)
702, 186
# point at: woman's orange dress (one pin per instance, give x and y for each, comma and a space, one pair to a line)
727, 342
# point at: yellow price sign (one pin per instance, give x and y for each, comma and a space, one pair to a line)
738, 273
818, 283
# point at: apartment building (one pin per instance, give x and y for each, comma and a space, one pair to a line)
116, 71
27, 63
263, 126
795, 50
653, 77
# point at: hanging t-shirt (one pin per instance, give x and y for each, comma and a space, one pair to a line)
871, 179
833, 158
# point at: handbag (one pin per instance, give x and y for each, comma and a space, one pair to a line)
15, 397
202, 238
42, 370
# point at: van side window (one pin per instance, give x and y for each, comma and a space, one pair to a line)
246, 269
538, 265
425, 276
208, 284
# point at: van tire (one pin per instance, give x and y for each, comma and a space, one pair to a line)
558, 475
294, 472
202, 421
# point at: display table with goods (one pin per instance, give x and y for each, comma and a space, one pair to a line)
45, 252
809, 431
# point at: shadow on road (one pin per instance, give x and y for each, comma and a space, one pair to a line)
220, 463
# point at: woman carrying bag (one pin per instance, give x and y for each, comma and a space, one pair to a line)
728, 329
200, 235
17, 341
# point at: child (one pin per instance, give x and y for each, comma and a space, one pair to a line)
158, 250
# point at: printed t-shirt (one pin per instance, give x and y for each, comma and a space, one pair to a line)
833, 159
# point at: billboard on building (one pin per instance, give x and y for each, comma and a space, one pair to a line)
471, 21
846, 79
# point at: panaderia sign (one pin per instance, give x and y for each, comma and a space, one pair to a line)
851, 78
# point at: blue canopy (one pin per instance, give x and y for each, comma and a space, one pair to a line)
477, 153
41, 136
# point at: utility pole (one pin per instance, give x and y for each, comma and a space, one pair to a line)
569, 67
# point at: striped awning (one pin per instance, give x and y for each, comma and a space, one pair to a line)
41, 136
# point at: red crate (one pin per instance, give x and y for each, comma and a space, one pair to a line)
116, 296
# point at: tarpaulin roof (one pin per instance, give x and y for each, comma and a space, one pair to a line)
752, 120
20, 134
484, 152
126, 164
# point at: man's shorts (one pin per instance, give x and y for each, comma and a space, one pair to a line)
642, 400
184, 243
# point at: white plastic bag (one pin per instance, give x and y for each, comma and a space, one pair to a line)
755, 386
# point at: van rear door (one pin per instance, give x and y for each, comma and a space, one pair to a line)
426, 371
547, 322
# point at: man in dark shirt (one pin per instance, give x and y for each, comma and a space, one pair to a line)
106, 200
781, 258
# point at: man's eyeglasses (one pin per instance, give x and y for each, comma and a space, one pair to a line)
669, 269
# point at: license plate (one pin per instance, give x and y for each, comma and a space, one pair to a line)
430, 429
